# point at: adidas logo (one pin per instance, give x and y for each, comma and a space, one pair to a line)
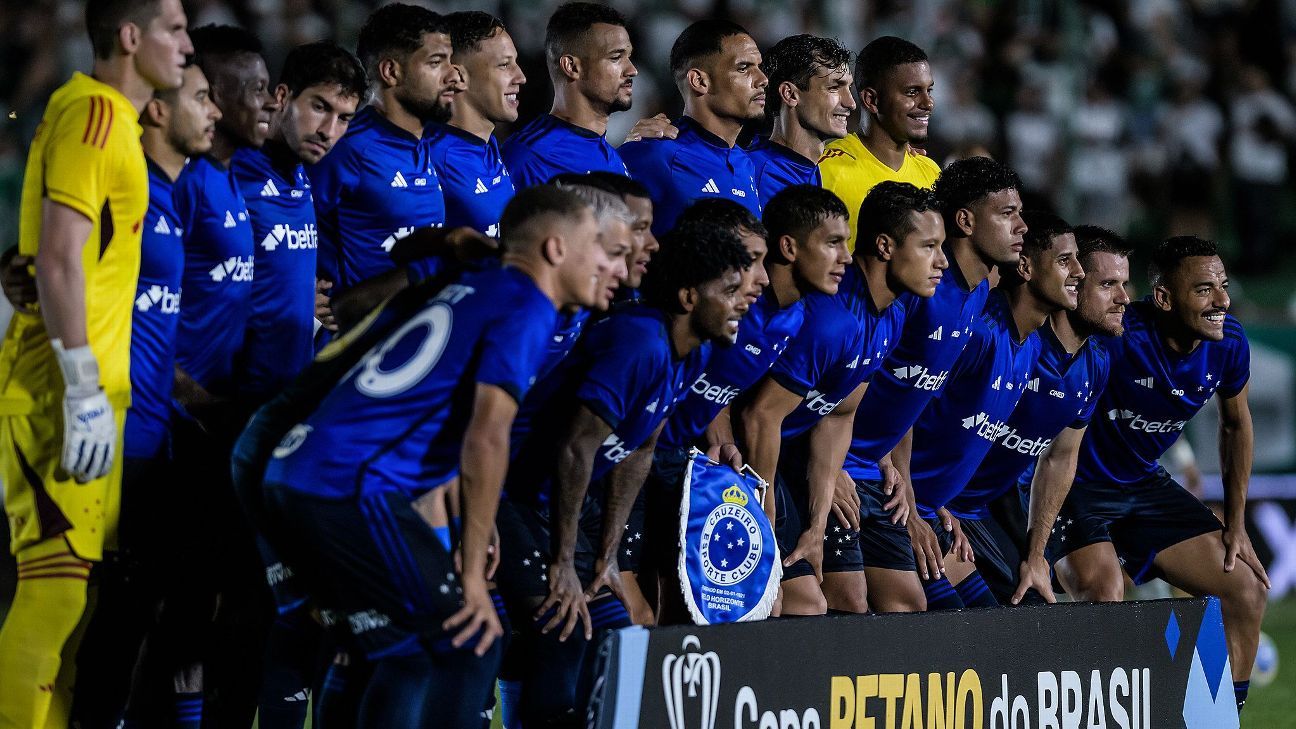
235, 268
295, 239
481, 188
298, 697
162, 228
390, 240
160, 296
997, 384
229, 220
399, 180
1033, 385
652, 406
853, 363
269, 189
1146, 382
940, 330
711, 187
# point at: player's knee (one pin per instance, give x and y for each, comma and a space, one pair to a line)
800, 598
1246, 596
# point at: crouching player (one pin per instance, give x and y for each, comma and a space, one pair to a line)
346, 491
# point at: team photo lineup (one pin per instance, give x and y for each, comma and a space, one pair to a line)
319, 398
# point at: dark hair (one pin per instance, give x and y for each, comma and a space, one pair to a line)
395, 31
795, 59
621, 185
215, 42
1170, 253
968, 180
468, 28
880, 56
572, 20
1042, 227
1091, 239
889, 209
103, 18
583, 178
723, 212
532, 202
323, 63
691, 254
701, 39
795, 211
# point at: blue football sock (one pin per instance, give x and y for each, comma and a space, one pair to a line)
188, 710
510, 693
290, 665
974, 592
1240, 689
941, 595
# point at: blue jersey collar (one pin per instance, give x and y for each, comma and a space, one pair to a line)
689, 125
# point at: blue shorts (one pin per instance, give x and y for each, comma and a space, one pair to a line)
526, 551
375, 565
878, 544
1140, 520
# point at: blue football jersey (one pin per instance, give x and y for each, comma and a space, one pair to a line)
280, 336
935, 332
694, 165
474, 180
396, 421
549, 146
376, 186
841, 344
1061, 393
958, 427
777, 167
155, 321
763, 335
218, 272
1152, 393
625, 371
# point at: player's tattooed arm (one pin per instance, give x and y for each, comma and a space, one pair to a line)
481, 477
829, 441
1049, 487
721, 443
625, 482
1236, 442
762, 426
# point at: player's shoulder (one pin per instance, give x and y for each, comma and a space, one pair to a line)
638, 330
925, 164
1234, 332
844, 151
530, 134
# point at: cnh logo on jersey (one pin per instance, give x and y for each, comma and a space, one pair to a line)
920, 379
1136, 421
718, 394
166, 301
234, 268
304, 238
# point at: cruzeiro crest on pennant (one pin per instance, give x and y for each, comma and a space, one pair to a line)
731, 540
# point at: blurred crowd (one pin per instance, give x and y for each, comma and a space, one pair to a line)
1151, 117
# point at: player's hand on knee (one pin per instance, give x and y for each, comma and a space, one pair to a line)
89, 428
607, 573
846, 501
1237, 545
567, 600
653, 127
810, 548
926, 549
17, 282
477, 617
961, 548
1034, 573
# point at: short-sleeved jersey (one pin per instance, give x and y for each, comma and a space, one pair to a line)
156, 320
396, 421
218, 271
1061, 393
694, 165
763, 335
935, 332
841, 344
777, 167
281, 326
961, 424
850, 170
474, 180
1152, 393
625, 371
549, 146
376, 186
86, 155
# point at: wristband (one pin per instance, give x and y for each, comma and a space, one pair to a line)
79, 366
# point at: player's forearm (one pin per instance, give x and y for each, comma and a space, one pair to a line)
720, 431
829, 442
575, 466
1048, 491
60, 286
764, 437
355, 304
626, 481
480, 481
1236, 443
900, 455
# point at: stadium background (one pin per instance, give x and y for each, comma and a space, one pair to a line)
1151, 117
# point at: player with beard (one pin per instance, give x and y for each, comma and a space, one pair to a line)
587, 52
378, 185
1050, 419
809, 101
1180, 347
987, 381
894, 83
465, 153
716, 65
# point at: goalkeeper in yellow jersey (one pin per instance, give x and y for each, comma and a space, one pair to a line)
65, 365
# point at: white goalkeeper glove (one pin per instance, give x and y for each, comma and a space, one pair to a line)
89, 429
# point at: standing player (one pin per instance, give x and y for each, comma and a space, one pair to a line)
378, 185
465, 153
988, 380
716, 66
1180, 348
809, 101
894, 82
66, 368
981, 209
587, 52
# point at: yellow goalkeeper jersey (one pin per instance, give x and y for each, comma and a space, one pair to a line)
850, 170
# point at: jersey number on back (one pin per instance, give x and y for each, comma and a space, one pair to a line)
432, 326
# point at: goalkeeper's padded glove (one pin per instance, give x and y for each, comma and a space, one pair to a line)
89, 429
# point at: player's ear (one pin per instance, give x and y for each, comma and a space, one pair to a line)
868, 98
965, 220
1161, 295
789, 94
788, 248
281, 95
570, 66
156, 112
1024, 267
697, 80
128, 35
390, 72
688, 298
885, 246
